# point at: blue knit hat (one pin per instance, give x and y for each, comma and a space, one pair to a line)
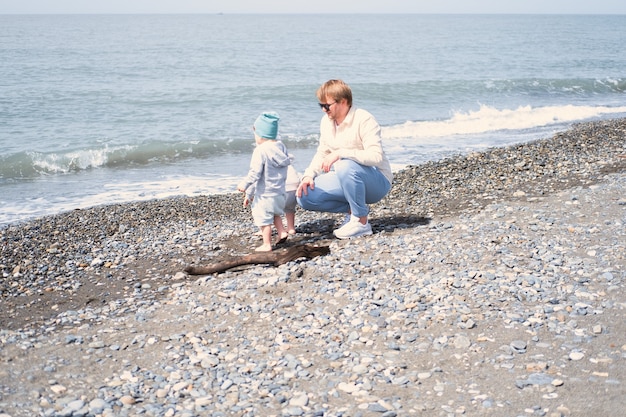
266, 125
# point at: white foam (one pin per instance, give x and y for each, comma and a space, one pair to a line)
60, 162
113, 193
490, 119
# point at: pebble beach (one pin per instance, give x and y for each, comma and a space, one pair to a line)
493, 285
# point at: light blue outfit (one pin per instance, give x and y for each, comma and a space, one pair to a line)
361, 177
266, 181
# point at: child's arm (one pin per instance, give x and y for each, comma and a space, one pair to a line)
256, 168
249, 195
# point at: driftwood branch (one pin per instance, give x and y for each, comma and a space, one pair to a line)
276, 257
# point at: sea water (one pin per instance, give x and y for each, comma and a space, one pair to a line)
100, 109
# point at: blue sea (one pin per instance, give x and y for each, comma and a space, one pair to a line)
99, 109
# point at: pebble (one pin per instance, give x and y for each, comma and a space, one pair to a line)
518, 346
482, 277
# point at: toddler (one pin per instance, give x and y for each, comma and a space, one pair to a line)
266, 180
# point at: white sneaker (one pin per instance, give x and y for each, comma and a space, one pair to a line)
354, 228
346, 220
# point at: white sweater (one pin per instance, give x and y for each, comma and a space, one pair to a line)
357, 138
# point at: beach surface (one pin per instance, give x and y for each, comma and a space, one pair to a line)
493, 285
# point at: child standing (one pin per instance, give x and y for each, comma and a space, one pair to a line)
266, 179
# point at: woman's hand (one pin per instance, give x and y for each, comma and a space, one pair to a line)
305, 184
329, 160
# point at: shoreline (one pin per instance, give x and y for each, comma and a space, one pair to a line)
493, 284
49, 252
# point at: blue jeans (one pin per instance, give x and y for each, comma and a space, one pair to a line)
349, 187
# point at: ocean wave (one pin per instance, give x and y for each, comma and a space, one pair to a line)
561, 86
487, 119
33, 164
490, 119
458, 88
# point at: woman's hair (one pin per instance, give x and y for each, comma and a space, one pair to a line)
336, 89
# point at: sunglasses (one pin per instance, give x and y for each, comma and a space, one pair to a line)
326, 106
